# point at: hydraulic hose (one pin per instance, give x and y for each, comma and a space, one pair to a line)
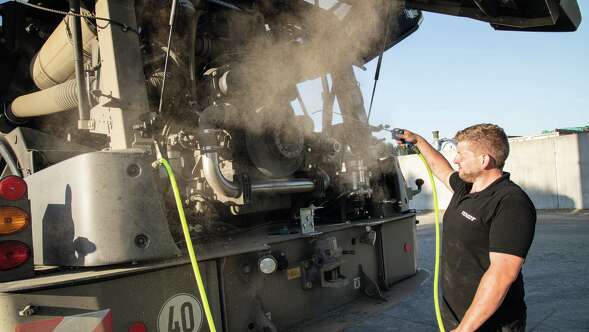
437, 260
191, 252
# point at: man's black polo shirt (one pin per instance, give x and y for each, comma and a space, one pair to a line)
501, 218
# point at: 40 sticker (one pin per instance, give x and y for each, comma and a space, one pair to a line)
181, 313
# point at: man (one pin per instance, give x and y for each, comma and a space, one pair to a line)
488, 229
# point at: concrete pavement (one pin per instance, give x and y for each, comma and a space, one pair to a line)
556, 276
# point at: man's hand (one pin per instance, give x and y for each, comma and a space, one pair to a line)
438, 163
407, 137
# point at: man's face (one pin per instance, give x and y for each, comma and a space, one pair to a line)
469, 161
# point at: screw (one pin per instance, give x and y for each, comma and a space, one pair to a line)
141, 241
133, 170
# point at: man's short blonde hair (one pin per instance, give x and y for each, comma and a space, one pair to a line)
489, 139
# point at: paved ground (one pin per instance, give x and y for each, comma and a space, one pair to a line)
556, 276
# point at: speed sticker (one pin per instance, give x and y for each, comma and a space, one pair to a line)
181, 313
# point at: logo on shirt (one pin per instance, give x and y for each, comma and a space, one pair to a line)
468, 216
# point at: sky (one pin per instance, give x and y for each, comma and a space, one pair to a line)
455, 72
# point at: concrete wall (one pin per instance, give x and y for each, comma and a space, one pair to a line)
583, 142
552, 169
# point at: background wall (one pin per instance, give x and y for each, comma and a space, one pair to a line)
553, 169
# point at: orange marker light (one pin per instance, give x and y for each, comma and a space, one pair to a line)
12, 220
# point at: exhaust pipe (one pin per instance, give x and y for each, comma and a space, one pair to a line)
220, 184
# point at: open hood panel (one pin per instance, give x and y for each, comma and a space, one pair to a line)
517, 15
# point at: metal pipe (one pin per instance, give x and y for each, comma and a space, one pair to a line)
220, 184
5, 153
283, 186
83, 103
215, 179
192, 15
168, 50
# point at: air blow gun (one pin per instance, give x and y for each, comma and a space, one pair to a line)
396, 135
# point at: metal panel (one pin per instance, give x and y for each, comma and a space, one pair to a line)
282, 297
247, 297
123, 96
131, 298
98, 208
398, 250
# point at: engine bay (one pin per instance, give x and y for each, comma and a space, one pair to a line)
222, 102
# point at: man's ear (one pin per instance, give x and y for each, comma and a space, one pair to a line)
487, 162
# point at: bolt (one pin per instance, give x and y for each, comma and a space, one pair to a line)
141, 241
133, 170
246, 269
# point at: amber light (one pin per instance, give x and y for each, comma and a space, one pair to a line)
13, 188
12, 220
13, 254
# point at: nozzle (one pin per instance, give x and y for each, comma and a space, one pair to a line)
396, 134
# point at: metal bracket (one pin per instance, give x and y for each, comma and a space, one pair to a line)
143, 143
28, 310
371, 288
86, 124
324, 267
307, 220
369, 237
246, 188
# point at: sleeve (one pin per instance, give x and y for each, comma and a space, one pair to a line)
513, 226
456, 183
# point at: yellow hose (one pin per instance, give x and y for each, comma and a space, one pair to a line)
191, 253
437, 263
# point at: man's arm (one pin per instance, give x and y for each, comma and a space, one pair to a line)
493, 287
439, 165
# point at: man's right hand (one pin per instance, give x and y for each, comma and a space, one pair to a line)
406, 136
440, 167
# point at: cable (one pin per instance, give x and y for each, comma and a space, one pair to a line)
379, 62
124, 26
171, 25
437, 262
191, 252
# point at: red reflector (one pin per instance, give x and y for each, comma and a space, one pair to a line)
137, 327
13, 254
13, 188
407, 247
